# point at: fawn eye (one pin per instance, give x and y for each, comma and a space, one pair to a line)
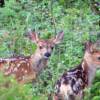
98, 58
40, 47
52, 47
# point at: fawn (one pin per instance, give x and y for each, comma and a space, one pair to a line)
26, 69
72, 83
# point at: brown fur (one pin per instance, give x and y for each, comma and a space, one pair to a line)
26, 69
72, 83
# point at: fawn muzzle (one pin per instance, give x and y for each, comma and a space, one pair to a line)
47, 55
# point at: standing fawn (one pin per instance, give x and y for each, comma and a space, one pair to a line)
26, 69
72, 83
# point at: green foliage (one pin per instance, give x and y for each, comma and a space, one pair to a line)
47, 17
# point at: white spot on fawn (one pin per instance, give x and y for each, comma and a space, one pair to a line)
28, 64
18, 65
25, 71
15, 69
65, 90
22, 69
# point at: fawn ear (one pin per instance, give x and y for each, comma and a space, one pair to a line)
88, 46
58, 37
33, 36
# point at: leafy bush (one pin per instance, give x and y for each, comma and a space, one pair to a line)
47, 17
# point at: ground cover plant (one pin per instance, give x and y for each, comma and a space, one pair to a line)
80, 21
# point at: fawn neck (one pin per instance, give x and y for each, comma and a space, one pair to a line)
38, 62
90, 68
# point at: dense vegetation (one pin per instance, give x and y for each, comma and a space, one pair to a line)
79, 20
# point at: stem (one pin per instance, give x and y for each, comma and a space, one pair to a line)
53, 19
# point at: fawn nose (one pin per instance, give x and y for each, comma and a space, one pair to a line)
47, 54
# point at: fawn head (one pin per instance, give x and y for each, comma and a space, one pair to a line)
92, 53
45, 47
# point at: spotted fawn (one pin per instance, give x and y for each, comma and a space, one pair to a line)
26, 69
72, 83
